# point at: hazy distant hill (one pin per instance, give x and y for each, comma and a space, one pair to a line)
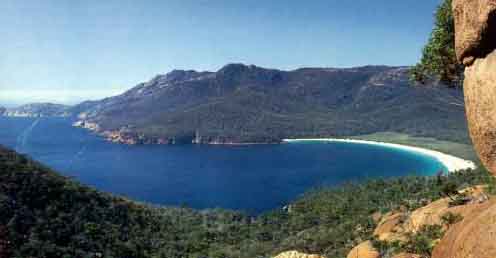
37, 110
242, 103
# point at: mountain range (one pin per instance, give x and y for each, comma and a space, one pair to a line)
249, 104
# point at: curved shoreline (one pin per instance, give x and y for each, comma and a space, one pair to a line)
451, 162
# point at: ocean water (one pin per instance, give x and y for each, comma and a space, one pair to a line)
252, 178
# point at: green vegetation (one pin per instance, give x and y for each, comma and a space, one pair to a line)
450, 218
421, 242
438, 56
43, 214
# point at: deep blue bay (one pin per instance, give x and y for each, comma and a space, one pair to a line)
253, 178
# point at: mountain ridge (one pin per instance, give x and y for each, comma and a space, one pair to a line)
249, 104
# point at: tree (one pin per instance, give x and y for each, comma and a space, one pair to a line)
449, 189
438, 59
450, 218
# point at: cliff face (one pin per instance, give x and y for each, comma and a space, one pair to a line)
475, 22
475, 29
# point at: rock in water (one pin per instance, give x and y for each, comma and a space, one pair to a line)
475, 26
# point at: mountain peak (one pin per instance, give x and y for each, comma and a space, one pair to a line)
179, 75
234, 68
240, 67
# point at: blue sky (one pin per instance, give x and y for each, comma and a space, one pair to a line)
67, 51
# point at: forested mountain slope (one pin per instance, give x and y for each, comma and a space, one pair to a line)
241, 103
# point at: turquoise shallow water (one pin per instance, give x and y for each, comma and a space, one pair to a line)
252, 178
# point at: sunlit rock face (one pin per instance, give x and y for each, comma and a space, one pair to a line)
475, 26
473, 237
364, 250
480, 101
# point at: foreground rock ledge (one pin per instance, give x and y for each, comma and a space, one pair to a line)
473, 237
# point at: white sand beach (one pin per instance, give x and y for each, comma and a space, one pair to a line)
451, 162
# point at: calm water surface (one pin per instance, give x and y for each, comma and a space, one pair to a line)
250, 178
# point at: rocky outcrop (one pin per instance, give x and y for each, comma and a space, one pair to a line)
390, 227
395, 226
480, 100
473, 237
296, 254
475, 22
364, 250
475, 27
